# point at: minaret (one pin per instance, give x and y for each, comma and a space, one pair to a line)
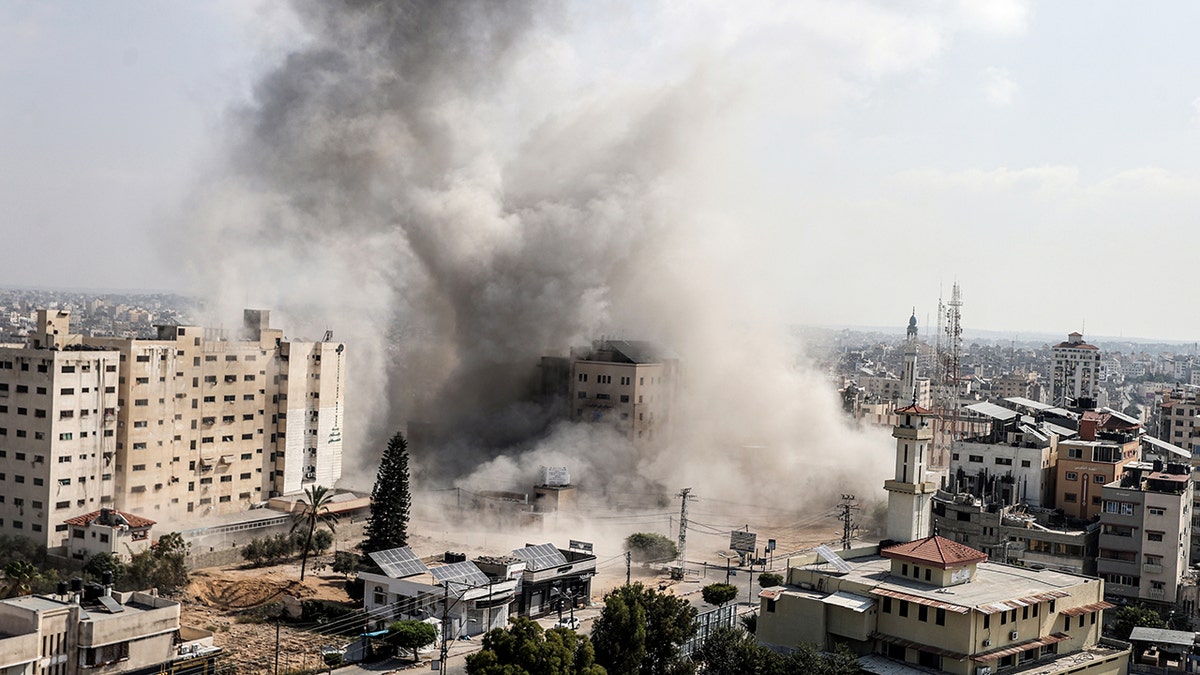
909, 495
909, 383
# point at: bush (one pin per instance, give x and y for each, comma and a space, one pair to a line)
321, 541
264, 551
651, 547
719, 594
769, 579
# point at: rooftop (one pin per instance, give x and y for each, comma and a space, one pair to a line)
130, 519
994, 583
937, 551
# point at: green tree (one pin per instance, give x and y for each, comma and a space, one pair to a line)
525, 649
21, 575
103, 562
1131, 616
162, 566
315, 503
732, 651
345, 562
651, 547
387, 526
769, 579
411, 635
718, 594
640, 631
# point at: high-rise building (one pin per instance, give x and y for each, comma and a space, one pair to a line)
1075, 372
630, 385
189, 425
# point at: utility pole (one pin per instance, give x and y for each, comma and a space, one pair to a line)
845, 514
445, 622
628, 566
277, 645
684, 496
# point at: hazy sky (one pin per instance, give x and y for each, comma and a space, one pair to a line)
1045, 155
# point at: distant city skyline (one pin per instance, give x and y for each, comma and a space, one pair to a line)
1044, 156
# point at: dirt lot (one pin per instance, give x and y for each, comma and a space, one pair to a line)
218, 596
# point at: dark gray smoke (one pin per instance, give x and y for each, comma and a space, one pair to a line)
437, 183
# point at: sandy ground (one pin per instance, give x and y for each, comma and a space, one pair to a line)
217, 596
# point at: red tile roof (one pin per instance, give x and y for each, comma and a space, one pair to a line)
914, 409
86, 519
936, 551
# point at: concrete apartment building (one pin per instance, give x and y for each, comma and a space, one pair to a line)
1016, 536
630, 385
941, 607
1145, 540
1106, 444
1177, 411
97, 632
1074, 372
1012, 463
58, 435
187, 426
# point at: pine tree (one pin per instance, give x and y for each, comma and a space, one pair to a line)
387, 526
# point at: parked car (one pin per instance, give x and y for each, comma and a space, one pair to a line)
569, 622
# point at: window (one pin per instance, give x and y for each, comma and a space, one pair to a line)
940, 617
1154, 536
139, 467
141, 402
978, 459
583, 394
903, 608
887, 605
1024, 464
922, 613
139, 424
224, 499
1099, 479
1070, 497
1154, 511
1075, 453
226, 479
1004, 461
65, 436
1071, 475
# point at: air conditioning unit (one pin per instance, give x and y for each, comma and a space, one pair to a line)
987, 643
1013, 635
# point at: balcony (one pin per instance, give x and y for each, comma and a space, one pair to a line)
1156, 593
1152, 568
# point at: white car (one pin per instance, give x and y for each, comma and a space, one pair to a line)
570, 622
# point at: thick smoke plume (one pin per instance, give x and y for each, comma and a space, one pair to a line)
457, 188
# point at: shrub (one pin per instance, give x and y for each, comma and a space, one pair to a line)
769, 579
651, 547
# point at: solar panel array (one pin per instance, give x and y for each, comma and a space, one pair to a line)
542, 556
460, 575
832, 558
398, 563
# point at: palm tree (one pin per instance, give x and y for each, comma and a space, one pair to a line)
315, 503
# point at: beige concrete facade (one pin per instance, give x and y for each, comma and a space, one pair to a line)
191, 425
58, 424
44, 635
1075, 371
990, 616
625, 384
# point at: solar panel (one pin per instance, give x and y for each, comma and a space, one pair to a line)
111, 605
541, 556
398, 563
832, 558
459, 575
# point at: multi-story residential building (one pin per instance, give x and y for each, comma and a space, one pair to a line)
1012, 463
1145, 540
630, 385
58, 410
1022, 384
1106, 444
940, 606
1074, 372
185, 426
1177, 411
1016, 536
94, 631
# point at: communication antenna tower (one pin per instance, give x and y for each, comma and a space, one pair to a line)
954, 361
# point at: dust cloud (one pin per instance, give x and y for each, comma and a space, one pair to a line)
458, 188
